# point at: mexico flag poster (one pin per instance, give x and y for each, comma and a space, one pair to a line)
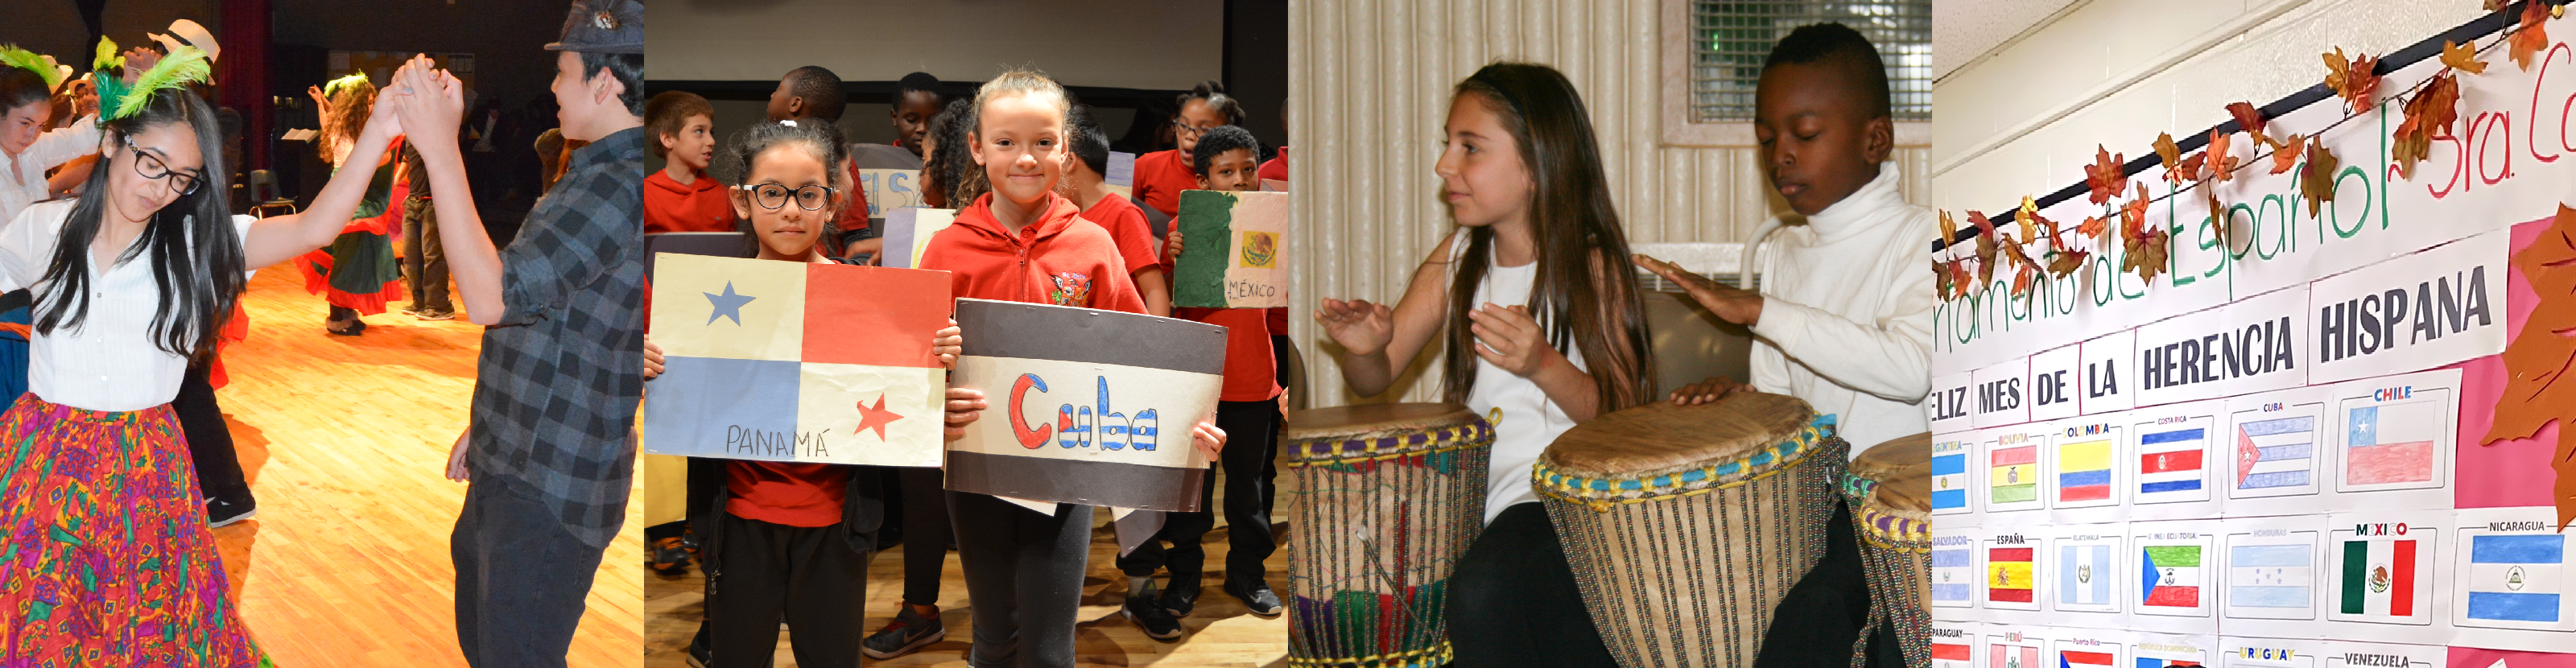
1087, 407
796, 362
1233, 250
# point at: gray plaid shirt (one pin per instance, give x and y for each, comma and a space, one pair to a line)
556, 390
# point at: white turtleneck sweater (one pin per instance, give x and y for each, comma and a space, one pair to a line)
1847, 314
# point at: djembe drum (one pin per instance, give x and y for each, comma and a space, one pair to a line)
1685, 525
1889, 487
1388, 497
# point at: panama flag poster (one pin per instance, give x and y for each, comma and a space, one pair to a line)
1086, 406
796, 362
1233, 250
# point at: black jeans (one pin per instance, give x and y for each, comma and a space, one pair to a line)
1023, 579
808, 576
210, 441
1252, 444
926, 532
1513, 601
1821, 616
522, 578
425, 261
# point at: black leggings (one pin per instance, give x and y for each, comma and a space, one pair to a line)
1023, 579
1513, 601
210, 441
806, 576
926, 532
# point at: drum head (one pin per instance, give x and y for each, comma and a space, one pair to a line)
1902, 469
1661, 437
1342, 422
1346, 434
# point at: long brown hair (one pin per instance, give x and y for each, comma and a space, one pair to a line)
355, 101
1586, 296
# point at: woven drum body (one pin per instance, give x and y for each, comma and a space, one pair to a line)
1388, 497
1685, 525
1889, 487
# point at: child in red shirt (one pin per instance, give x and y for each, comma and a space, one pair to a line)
1225, 158
681, 198
1023, 242
1086, 177
1162, 175
792, 540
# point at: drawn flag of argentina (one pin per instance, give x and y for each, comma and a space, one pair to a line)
1949, 477
1087, 407
2516, 577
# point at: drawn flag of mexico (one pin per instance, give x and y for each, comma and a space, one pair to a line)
2377, 577
1086, 406
796, 362
1233, 250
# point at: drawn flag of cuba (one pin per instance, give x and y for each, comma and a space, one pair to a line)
796, 362
1085, 406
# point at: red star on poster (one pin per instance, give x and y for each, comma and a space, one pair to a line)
875, 417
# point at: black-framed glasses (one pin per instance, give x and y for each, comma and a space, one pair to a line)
151, 167
775, 196
1184, 127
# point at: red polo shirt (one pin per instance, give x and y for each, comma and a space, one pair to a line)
1160, 178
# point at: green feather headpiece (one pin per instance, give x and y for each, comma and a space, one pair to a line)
185, 65
13, 56
332, 89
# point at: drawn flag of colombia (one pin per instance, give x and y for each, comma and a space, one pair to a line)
796, 362
1086, 406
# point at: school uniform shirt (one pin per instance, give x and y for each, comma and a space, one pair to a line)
109, 362
697, 206
1251, 362
854, 218
22, 177
1061, 259
796, 495
1847, 314
1126, 225
1276, 169
1160, 178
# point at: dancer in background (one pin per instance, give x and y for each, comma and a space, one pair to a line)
358, 274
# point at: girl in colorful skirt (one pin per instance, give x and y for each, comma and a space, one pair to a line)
105, 555
358, 273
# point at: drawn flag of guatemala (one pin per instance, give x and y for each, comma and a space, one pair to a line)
2516, 577
1087, 407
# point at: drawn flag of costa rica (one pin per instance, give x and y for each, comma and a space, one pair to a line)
796, 362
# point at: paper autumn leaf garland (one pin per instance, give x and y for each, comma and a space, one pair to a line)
2541, 359
2288, 153
2143, 249
2351, 79
2104, 175
2316, 185
2463, 58
2435, 106
2528, 38
1985, 247
2251, 119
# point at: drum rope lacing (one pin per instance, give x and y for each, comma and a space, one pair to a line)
1602, 493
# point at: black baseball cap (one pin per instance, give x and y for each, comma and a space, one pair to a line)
603, 26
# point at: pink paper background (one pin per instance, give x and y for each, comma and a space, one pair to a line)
2471, 657
2511, 472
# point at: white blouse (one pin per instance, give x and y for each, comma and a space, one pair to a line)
1525, 421
108, 363
22, 177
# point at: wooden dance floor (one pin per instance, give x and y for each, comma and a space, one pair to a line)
344, 440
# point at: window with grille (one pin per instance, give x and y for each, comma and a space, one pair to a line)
1730, 39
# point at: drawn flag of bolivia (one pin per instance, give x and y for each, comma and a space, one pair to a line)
796, 362
1088, 407
1232, 250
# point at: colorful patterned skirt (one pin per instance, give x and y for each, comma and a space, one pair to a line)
106, 558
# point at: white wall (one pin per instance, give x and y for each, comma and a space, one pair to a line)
2021, 118
1157, 44
1369, 85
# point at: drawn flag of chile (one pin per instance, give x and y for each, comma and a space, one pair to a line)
1086, 406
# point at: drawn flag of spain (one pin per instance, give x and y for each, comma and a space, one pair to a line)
1088, 407
2008, 574
796, 362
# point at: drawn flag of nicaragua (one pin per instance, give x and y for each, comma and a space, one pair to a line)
1088, 407
796, 362
2516, 577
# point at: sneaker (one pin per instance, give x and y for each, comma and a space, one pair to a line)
670, 557
221, 512
434, 314
908, 632
699, 656
1256, 595
1181, 596
1150, 616
412, 308
345, 327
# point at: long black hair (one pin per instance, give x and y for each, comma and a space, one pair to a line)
19, 88
1586, 295
195, 250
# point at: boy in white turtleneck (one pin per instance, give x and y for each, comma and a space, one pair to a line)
1844, 319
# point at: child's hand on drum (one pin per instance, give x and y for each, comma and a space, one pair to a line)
1509, 338
1742, 307
964, 407
1360, 327
1209, 439
1715, 388
947, 344
652, 359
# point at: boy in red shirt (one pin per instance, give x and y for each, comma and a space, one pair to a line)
681, 198
1102, 206
1226, 158
1162, 175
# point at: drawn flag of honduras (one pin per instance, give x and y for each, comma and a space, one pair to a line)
796, 362
2516, 578
1233, 250
1087, 407
1949, 477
